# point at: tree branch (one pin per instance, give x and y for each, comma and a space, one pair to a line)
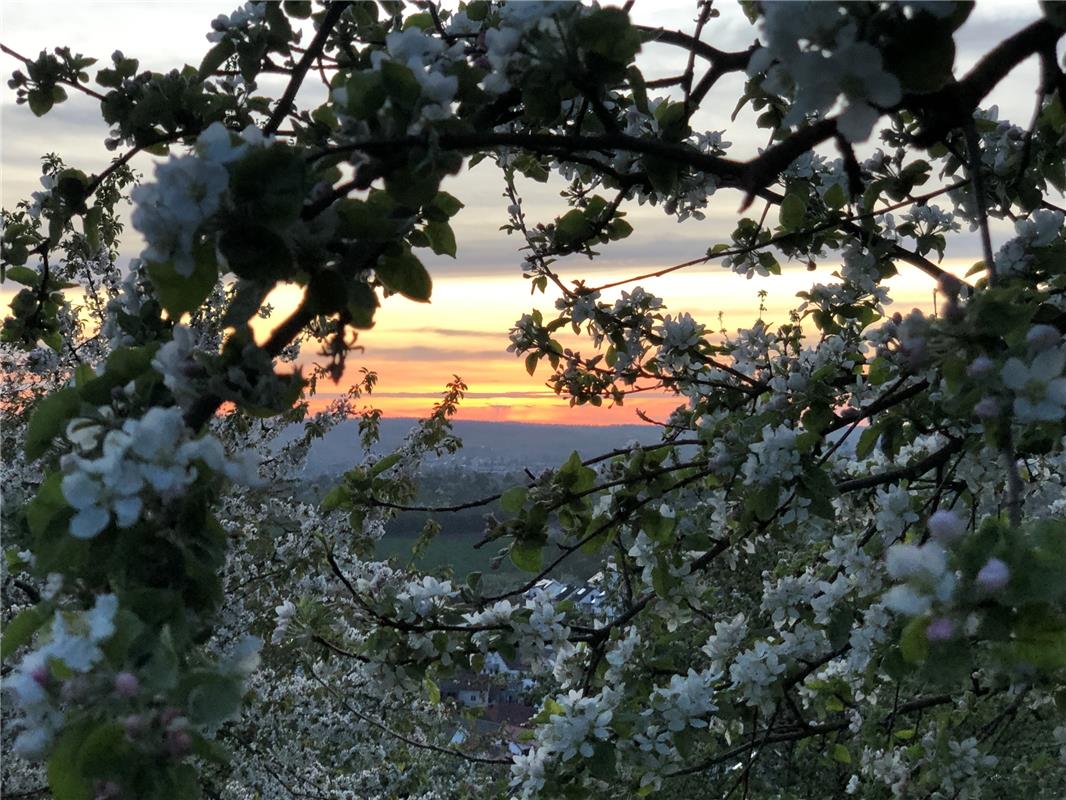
72, 84
951, 106
333, 14
910, 472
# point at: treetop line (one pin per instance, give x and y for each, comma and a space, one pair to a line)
841, 571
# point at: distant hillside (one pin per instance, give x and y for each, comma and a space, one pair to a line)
489, 444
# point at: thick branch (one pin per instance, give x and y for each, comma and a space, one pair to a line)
910, 472
951, 106
727, 60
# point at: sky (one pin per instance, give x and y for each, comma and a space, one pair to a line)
416, 348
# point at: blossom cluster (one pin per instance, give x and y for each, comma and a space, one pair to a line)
73, 645
188, 191
1040, 229
106, 475
249, 15
812, 52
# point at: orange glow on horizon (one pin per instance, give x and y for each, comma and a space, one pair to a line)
416, 348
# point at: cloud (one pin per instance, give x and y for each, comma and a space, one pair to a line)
481, 334
468, 395
421, 353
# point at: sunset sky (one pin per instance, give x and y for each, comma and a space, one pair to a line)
416, 348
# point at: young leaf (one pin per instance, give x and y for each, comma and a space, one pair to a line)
49, 418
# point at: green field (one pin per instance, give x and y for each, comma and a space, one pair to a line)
457, 552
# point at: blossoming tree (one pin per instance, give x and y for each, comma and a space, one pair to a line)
842, 569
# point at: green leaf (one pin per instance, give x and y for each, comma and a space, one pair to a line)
441, 238
916, 173
478, 10
362, 303
405, 274
91, 226
180, 782
513, 499
867, 441
817, 417
527, 554
298, 9
662, 172
335, 498
49, 502
125, 364
381, 465
540, 97
214, 699
531, 363
366, 94
400, 84
49, 419
255, 252
921, 53
268, 184
432, 690
64, 778
412, 188
841, 754
40, 102
610, 42
216, 57
21, 629
572, 227
179, 294
817, 486
835, 197
763, 501
880, 371
618, 229
23, 275
662, 581
657, 526
639, 87
210, 750
105, 746
793, 210
672, 120
913, 642
161, 672
247, 298
602, 765
447, 204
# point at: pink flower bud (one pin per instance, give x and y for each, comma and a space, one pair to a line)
169, 715
41, 676
993, 576
1043, 337
987, 408
946, 526
134, 725
179, 743
941, 629
126, 684
982, 365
